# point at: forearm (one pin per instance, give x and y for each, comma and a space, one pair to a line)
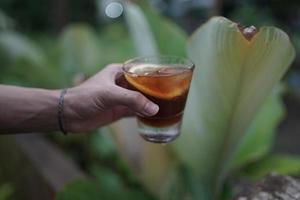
28, 110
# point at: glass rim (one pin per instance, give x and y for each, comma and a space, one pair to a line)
189, 64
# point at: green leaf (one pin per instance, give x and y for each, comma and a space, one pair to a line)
24, 62
90, 189
232, 79
82, 190
280, 163
101, 144
139, 30
259, 138
80, 50
214, 139
5, 21
146, 25
107, 177
183, 185
6, 191
17, 46
170, 38
116, 43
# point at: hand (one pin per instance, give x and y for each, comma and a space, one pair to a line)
99, 101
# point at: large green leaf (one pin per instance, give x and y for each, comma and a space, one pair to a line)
18, 46
90, 189
232, 79
80, 50
170, 38
5, 21
161, 36
6, 191
259, 138
194, 145
139, 30
116, 43
24, 62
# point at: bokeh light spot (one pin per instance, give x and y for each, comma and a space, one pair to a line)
114, 10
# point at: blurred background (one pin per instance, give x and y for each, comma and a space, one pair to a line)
58, 43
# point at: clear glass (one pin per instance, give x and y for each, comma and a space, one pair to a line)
165, 80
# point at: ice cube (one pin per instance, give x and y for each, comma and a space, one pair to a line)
145, 69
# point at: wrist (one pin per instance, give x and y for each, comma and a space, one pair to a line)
69, 110
41, 110
61, 116
51, 110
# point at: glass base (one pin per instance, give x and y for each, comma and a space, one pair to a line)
159, 134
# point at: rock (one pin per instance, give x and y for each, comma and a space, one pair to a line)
273, 187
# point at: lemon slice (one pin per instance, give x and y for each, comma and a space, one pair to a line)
141, 69
163, 87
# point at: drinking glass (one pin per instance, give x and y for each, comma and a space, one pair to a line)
165, 80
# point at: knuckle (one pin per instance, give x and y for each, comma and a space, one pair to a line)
112, 71
113, 66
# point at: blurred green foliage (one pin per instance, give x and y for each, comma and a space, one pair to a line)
280, 163
248, 15
110, 176
54, 62
172, 39
49, 15
96, 189
6, 190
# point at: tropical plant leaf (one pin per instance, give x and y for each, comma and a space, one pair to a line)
199, 143
80, 50
232, 79
18, 46
139, 29
259, 138
116, 43
151, 163
184, 185
170, 38
5, 21
84, 189
150, 26
280, 163
101, 143
6, 191
25, 63
90, 189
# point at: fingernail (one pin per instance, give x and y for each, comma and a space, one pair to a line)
151, 108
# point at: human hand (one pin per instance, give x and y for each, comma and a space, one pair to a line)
99, 101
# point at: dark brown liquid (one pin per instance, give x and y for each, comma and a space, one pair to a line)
170, 111
168, 88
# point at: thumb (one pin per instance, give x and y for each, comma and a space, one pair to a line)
133, 100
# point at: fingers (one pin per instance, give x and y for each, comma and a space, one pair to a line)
120, 112
120, 96
112, 115
113, 71
133, 100
109, 74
